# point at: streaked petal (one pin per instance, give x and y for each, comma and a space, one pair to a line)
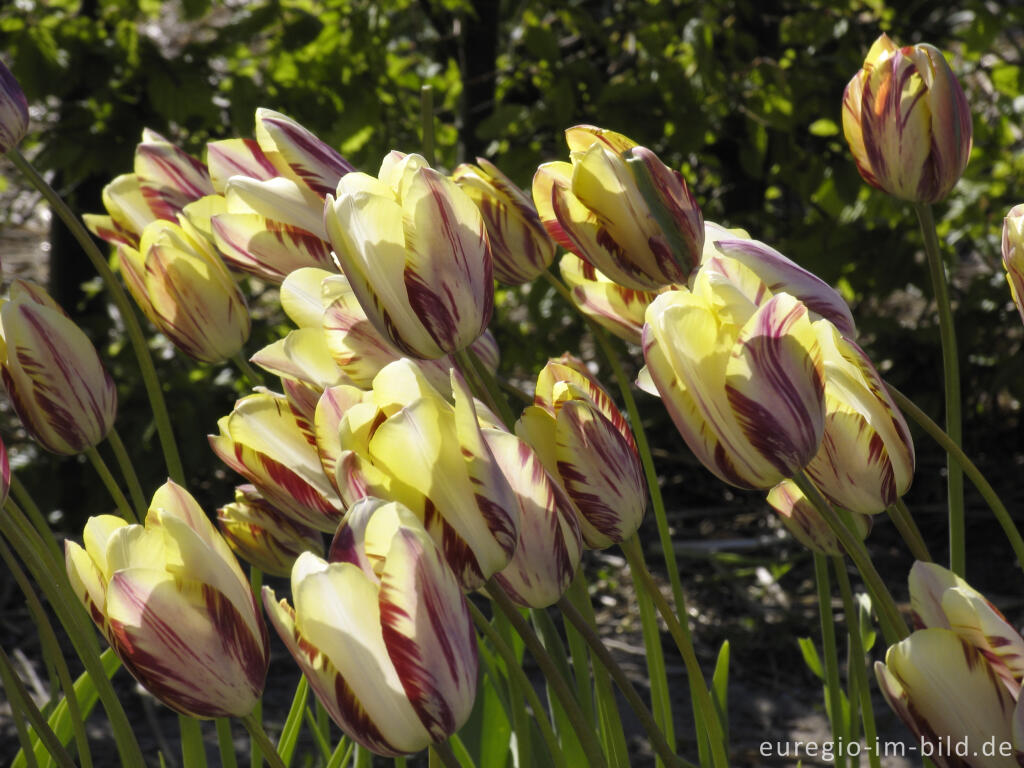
266, 248
237, 157
316, 163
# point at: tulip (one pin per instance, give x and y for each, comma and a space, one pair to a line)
13, 111
268, 249
740, 371
62, 393
183, 287
520, 245
1013, 254
263, 441
583, 440
803, 520
594, 207
866, 459
382, 632
261, 535
299, 153
612, 306
174, 605
907, 122
414, 249
409, 444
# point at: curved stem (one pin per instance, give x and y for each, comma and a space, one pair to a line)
829, 651
904, 522
131, 322
558, 684
123, 507
987, 492
893, 625
643, 714
255, 729
951, 378
128, 471
34, 514
514, 668
246, 369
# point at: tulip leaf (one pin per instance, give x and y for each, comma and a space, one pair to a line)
293, 723
720, 689
811, 658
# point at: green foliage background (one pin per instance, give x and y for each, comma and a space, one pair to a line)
742, 95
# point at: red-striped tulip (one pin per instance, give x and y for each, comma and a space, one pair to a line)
866, 459
520, 245
907, 122
1013, 254
409, 444
593, 207
584, 441
263, 441
414, 248
62, 393
13, 111
382, 632
299, 153
741, 373
174, 605
261, 535
803, 520
180, 282
617, 308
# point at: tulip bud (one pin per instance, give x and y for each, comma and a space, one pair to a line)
740, 371
803, 520
62, 393
584, 441
520, 245
261, 535
174, 605
1013, 254
907, 122
13, 111
414, 249
382, 631
595, 208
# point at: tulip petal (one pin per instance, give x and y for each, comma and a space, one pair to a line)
268, 249
301, 296
614, 307
319, 165
277, 199
237, 157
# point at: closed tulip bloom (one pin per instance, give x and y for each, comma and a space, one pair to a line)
1013, 254
261, 535
614, 307
13, 111
593, 207
804, 521
382, 632
179, 280
174, 605
410, 444
907, 122
263, 440
520, 245
414, 249
59, 387
740, 371
584, 441
866, 459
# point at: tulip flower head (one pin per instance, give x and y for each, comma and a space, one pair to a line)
740, 371
382, 631
415, 251
13, 111
907, 122
56, 381
1013, 254
174, 605
805, 522
594, 207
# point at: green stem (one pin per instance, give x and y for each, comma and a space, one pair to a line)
557, 683
987, 492
427, 121
246, 369
643, 714
484, 386
703, 705
829, 651
123, 507
908, 529
128, 471
515, 669
193, 752
857, 666
131, 322
259, 736
893, 625
443, 751
951, 378
35, 515
225, 743
21, 702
